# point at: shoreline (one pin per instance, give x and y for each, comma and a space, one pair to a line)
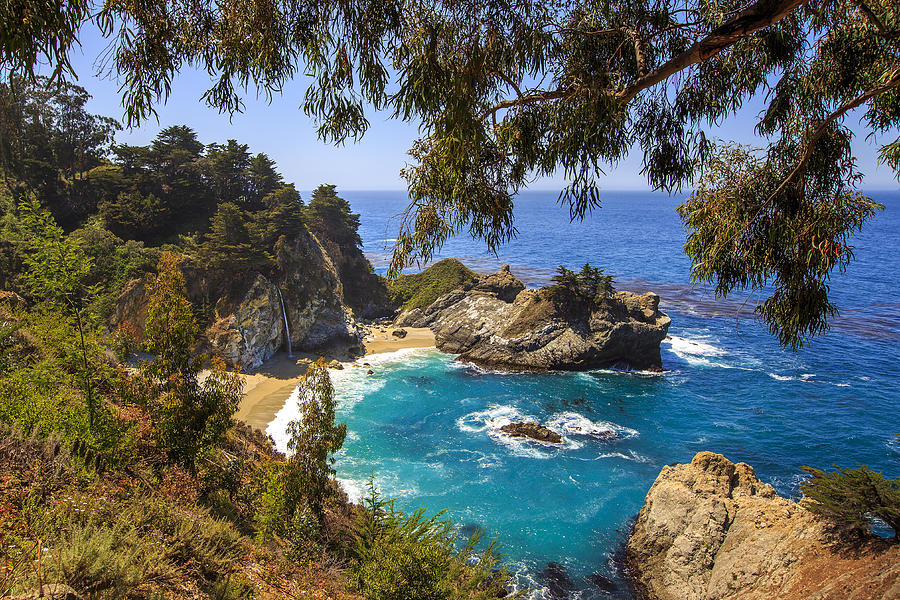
268, 387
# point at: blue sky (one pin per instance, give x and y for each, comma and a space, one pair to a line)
282, 130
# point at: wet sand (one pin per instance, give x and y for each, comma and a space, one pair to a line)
267, 388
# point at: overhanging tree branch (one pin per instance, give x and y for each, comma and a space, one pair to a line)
891, 83
760, 15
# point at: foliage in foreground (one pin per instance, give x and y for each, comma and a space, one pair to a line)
413, 557
507, 92
851, 497
191, 413
421, 289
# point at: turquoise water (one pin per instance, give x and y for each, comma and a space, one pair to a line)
426, 426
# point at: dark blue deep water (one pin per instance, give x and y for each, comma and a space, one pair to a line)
425, 426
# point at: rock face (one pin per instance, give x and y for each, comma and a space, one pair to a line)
496, 322
711, 530
532, 430
254, 331
247, 324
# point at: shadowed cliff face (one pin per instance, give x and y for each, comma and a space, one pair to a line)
496, 322
711, 530
246, 324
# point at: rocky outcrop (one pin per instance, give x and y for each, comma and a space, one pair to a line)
254, 331
314, 299
533, 431
495, 322
711, 530
246, 320
130, 309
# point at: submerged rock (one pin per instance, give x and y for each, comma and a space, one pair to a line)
712, 529
556, 579
603, 583
532, 430
495, 322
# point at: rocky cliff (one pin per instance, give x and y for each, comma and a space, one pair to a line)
246, 323
711, 530
496, 322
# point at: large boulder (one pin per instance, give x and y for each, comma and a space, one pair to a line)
495, 322
711, 530
532, 431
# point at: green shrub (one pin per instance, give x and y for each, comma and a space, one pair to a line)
314, 440
191, 415
411, 557
851, 497
44, 403
589, 285
421, 289
111, 549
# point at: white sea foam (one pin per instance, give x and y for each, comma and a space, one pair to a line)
496, 416
573, 423
572, 426
684, 347
627, 455
355, 490
277, 429
778, 377
697, 352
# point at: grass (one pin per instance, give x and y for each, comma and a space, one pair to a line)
421, 289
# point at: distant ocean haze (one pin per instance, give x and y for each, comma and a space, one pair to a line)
427, 428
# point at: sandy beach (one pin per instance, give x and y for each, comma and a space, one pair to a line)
267, 388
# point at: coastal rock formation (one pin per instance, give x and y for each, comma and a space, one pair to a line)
254, 331
130, 309
496, 322
532, 430
711, 530
247, 323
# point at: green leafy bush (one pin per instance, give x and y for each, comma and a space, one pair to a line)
401, 556
314, 439
851, 497
421, 289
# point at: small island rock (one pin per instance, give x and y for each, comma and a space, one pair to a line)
495, 322
532, 430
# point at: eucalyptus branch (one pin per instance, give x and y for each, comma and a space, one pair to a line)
893, 82
871, 16
760, 15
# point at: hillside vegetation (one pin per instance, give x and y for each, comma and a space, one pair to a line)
129, 479
418, 290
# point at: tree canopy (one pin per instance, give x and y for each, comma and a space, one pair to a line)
509, 90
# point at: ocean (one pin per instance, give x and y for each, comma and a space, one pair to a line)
425, 427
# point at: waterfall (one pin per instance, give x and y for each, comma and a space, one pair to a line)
287, 330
